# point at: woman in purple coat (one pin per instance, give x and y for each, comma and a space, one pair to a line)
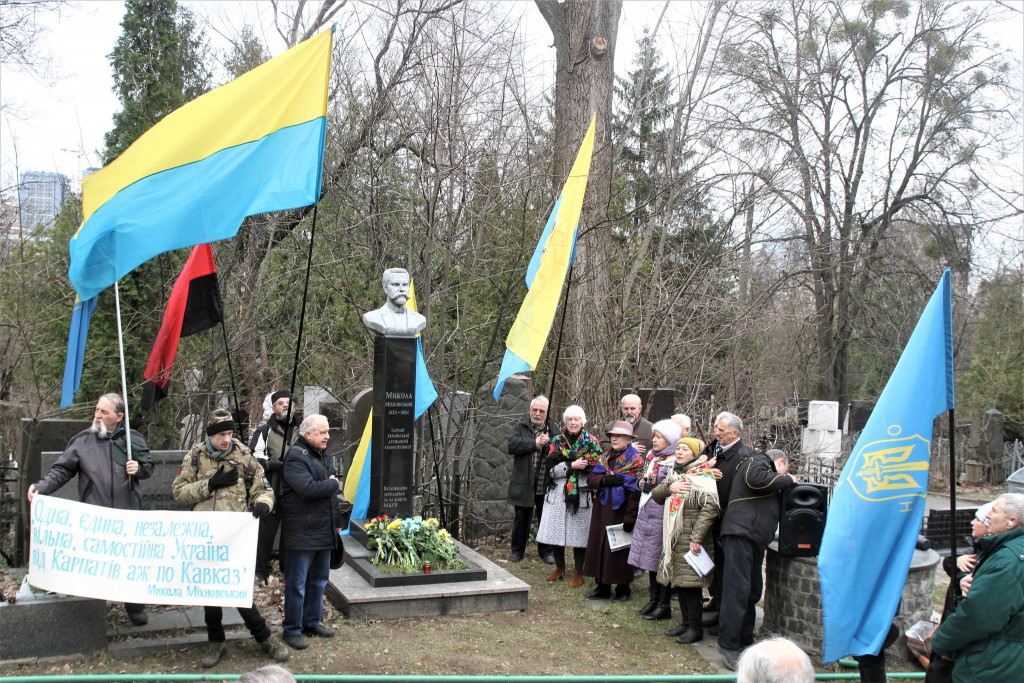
645, 552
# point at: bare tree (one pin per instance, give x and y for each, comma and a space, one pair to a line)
853, 118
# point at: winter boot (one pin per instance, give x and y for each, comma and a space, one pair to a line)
692, 617
664, 608
679, 628
557, 575
577, 579
655, 590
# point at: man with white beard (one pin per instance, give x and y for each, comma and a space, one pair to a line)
106, 476
630, 408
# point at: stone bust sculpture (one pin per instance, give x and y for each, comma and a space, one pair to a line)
394, 319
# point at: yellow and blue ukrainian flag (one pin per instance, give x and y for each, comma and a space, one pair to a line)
546, 273
251, 146
878, 504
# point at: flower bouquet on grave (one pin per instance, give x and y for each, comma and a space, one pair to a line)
405, 545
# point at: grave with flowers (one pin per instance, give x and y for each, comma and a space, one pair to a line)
412, 551
397, 564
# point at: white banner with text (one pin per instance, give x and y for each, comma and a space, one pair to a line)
148, 557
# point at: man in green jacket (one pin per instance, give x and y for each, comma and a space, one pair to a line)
985, 635
220, 473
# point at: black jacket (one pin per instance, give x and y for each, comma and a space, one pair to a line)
753, 511
309, 499
522, 445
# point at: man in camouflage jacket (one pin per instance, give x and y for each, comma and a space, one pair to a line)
221, 474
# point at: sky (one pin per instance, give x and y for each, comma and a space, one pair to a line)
57, 123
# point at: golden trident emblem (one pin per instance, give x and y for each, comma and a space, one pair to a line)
888, 469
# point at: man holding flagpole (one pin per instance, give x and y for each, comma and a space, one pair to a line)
107, 475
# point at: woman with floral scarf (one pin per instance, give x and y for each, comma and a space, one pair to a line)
690, 499
645, 553
565, 521
616, 501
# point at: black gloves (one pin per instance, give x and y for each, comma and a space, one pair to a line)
273, 465
628, 526
260, 509
222, 478
610, 480
646, 486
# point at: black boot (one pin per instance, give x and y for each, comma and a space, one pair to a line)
664, 608
692, 617
655, 591
679, 628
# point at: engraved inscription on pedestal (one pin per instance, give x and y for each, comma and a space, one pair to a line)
394, 383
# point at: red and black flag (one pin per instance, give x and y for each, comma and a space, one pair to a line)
194, 306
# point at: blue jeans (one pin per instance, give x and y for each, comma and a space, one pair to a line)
305, 576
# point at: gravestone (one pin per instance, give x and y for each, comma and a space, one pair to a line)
990, 441
487, 511
355, 421
156, 491
394, 386
662, 407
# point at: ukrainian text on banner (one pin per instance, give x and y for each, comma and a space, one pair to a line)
160, 557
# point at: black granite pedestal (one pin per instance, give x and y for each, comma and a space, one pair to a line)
391, 454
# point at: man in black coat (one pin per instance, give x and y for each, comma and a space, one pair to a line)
748, 526
528, 444
724, 454
310, 522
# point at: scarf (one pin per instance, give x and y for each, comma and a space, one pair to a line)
672, 528
564, 450
219, 455
628, 463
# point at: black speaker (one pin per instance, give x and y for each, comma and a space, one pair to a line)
804, 507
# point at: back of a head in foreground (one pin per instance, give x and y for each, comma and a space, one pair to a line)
776, 660
267, 674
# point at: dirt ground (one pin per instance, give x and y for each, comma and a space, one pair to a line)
557, 635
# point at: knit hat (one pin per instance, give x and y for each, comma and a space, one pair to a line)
219, 421
670, 430
621, 427
282, 393
695, 445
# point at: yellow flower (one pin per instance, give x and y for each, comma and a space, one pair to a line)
431, 522
444, 535
395, 525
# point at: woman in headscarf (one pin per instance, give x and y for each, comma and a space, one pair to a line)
565, 521
616, 501
690, 499
645, 553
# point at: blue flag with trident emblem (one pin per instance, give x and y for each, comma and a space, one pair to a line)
879, 500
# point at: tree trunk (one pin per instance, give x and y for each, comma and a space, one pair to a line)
584, 33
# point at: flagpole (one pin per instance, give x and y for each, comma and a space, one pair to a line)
302, 322
231, 375
952, 485
124, 380
558, 345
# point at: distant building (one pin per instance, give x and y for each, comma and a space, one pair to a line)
41, 194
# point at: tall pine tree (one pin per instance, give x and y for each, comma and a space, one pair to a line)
158, 64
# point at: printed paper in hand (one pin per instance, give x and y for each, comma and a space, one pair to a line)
618, 538
701, 564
